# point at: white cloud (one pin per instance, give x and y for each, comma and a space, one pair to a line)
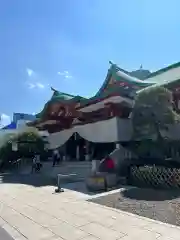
29, 71
33, 80
65, 74
4, 120
36, 85
40, 85
31, 85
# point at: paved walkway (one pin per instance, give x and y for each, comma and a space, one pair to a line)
35, 213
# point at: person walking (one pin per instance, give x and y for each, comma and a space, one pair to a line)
33, 164
55, 157
36, 164
59, 157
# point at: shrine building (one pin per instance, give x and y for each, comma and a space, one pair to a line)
77, 124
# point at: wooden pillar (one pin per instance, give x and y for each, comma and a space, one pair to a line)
65, 152
95, 160
77, 152
118, 145
77, 147
94, 166
87, 155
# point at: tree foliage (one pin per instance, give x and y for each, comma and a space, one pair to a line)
152, 112
28, 141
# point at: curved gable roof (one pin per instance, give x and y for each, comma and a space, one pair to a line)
120, 75
60, 97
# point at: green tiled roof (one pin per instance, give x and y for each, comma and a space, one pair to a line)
117, 73
60, 97
120, 75
142, 84
169, 83
140, 73
134, 85
118, 90
160, 71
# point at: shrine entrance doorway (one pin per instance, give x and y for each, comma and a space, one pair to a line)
76, 148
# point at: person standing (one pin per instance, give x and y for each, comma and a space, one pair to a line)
38, 163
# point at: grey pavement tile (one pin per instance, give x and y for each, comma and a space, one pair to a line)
100, 231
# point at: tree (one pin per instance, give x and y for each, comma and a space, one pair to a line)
29, 142
152, 113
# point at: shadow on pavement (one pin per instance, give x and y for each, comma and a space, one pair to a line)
36, 180
79, 187
4, 235
150, 194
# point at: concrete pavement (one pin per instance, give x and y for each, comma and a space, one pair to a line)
36, 213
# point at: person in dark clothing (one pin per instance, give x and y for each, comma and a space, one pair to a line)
60, 157
56, 157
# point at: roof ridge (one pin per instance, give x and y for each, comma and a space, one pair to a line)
121, 69
54, 90
108, 75
174, 65
127, 75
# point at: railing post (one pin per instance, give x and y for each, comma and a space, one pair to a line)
59, 189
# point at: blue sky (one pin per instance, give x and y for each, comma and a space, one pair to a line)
67, 44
